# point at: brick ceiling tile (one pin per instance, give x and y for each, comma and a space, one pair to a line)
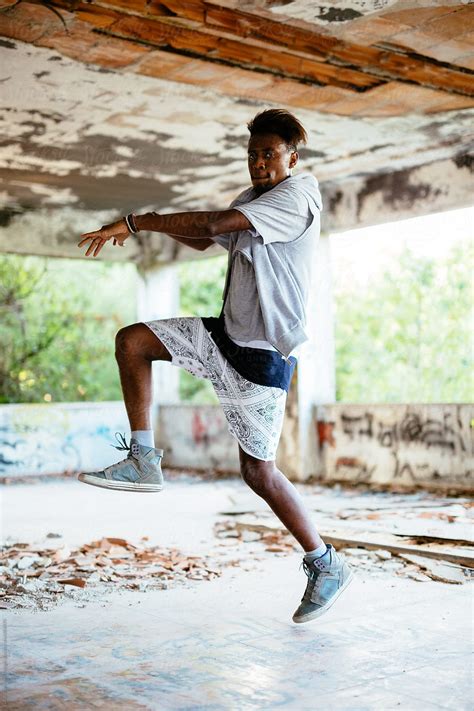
177, 68
28, 22
204, 74
421, 99
328, 95
381, 110
76, 43
417, 17
89, 47
165, 61
357, 104
371, 30
98, 17
116, 54
247, 84
296, 95
448, 51
232, 81
396, 98
447, 102
293, 93
453, 25
241, 85
413, 39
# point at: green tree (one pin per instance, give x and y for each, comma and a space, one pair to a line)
59, 318
408, 339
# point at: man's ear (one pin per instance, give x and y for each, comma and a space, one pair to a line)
293, 159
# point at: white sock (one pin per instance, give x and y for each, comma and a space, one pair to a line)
317, 553
144, 437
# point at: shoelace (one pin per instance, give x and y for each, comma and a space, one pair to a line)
122, 442
122, 446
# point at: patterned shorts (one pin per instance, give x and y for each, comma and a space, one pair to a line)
254, 413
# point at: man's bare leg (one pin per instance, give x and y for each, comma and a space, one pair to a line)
268, 482
136, 346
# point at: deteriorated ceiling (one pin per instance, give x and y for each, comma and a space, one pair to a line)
124, 105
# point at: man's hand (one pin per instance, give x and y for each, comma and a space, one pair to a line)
116, 230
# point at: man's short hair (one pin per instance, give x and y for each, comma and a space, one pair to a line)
281, 122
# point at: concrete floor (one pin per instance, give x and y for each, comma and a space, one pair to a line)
387, 643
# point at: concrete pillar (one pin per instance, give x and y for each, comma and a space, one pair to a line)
314, 382
158, 297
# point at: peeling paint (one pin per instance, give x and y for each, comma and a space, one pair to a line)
465, 161
396, 189
7, 44
119, 141
332, 11
67, 124
334, 200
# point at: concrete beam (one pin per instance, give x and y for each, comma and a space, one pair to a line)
366, 199
389, 196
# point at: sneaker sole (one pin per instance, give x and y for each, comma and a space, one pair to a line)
321, 610
119, 485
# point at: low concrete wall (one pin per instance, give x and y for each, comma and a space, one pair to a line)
58, 437
196, 436
425, 445
53, 438
398, 444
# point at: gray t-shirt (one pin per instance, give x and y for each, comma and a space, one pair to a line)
242, 312
285, 218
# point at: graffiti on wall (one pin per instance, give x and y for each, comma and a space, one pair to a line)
32, 450
52, 439
398, 443
445, 431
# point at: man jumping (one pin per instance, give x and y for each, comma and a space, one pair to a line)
248, 353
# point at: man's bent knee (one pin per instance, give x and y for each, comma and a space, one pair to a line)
257, 474
138, 340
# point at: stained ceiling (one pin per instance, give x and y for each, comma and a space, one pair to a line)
127, 105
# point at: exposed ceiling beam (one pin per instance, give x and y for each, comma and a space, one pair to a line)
220, 34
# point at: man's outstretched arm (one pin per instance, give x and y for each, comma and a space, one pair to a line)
194, 229
194, 225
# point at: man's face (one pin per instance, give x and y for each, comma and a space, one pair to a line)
269, 161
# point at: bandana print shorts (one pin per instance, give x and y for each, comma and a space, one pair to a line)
254, 412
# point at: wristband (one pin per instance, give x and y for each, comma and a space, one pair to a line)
131, 224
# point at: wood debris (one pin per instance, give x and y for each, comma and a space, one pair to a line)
438, 570
372, 557
419, 536
37, 575
274, 540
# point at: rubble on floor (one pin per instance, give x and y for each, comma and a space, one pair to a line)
37, 575
421, 536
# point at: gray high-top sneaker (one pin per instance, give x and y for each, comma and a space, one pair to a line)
139, 471
328, 576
